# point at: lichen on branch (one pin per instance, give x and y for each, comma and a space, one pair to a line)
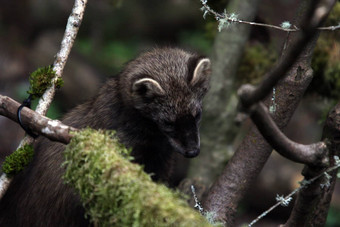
116, 192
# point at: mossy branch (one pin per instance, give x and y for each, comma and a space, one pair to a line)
116, 192
17, 161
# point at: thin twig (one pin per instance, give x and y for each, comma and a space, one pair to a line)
304, 184
285, 26
198, 205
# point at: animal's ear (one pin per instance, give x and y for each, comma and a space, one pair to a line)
147, 88
200, 71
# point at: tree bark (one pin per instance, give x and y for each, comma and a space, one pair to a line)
247, 162
51, 129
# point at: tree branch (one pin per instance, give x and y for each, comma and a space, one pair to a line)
232, 18
52, 129
312, 155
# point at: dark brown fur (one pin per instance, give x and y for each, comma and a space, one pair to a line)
153, 120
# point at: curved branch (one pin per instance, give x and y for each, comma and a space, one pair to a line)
312, 155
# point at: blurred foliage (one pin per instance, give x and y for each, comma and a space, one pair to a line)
256, 62
326, 60
196, 41
333, 218
334, 16
111, 55
211, 28
16, 162
112, 36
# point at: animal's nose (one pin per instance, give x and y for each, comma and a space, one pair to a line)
192, 153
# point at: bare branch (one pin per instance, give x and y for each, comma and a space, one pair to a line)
313, 154
52, 129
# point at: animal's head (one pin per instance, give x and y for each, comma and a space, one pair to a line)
167, 86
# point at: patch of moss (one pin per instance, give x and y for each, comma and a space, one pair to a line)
41, 79
17, 161
116, 192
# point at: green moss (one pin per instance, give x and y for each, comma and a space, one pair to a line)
41, 79
116, 192
17, 161
59, 83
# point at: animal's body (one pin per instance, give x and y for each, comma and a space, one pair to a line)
154, 104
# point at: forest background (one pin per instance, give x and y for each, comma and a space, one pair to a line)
114, 32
